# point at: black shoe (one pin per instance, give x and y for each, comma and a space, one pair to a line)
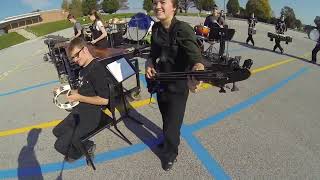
313, 62
167, 165
281, 51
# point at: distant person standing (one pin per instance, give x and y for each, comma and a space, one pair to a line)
77, 28
99, 33
251, 29
280, 29
317, 47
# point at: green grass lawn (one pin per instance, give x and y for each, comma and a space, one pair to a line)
47, 28
11, 39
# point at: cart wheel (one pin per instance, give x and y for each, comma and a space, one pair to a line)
135, 95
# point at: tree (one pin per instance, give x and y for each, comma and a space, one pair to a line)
206, 5
261, 9
65, 5
233, 7
299, 24
88, 5
266, 8
186, 4
290, 17
76, 8
110, 6
147, 5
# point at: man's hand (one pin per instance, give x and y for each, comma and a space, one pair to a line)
194, 84
74, 96
150, 70
93, 41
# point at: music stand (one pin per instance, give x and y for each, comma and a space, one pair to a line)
121, 69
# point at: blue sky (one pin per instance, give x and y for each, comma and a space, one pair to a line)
305, 10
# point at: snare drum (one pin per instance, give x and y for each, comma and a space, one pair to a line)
201, 30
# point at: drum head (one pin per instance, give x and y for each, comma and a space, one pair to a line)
138, 26
314, 35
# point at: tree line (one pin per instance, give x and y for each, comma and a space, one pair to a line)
261, 9
80, 8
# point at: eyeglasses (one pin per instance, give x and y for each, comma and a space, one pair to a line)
76, 55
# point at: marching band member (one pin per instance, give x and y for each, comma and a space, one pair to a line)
216, 21
173, 48
99, 33
78, 29
280, 29
93, 93
252, 24
317, 47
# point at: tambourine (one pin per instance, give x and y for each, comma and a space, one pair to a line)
66, 89
314, 35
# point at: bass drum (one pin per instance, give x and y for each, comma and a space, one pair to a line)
201, 30
139, 26
314, 35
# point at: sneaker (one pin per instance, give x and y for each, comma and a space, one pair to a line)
281, 51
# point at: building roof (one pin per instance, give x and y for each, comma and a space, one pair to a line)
18, 17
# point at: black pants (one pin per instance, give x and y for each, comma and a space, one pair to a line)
172, 107
314, 52
277, 45
69, 132
250, 39
222, 47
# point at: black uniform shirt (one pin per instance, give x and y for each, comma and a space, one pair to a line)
94, 80
252, 22
214, 21
281, 27
177, 49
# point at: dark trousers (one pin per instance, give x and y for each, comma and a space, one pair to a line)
222, 47
71, 130
172, 107
250, 39
314, 52
277, 45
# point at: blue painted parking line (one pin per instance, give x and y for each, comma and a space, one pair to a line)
187, 130
245, 104
205, 157
28, 88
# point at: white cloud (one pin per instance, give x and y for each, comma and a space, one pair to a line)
37, 4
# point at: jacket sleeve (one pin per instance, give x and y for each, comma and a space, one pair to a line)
186, 40
155, 49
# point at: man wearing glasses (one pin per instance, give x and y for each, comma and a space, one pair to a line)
93, 94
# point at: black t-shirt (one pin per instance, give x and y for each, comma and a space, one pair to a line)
94, 80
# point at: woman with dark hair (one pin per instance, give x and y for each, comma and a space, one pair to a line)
173, 49
99, 33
